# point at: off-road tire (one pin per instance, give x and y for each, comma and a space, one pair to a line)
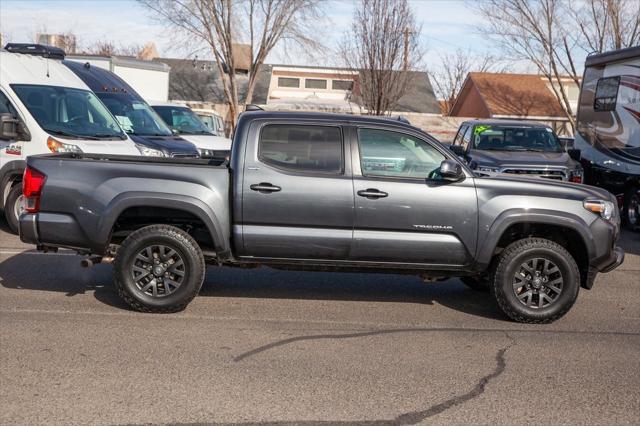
9, 207
183, 244
511, 258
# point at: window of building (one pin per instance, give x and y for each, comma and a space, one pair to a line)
314, 83
392, 154
288, 82
606, 94
341, 84
302, 148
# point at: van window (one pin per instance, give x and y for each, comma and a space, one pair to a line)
6, 107
385, 153
68, 112
301, 148
135, 116
183, 120
606, 94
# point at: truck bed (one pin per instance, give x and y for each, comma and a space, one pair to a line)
87, 195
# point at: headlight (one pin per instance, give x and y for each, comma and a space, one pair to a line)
59, 147
488, 169
149, 152
604, 208
205, 153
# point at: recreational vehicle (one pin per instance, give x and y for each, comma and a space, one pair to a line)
608, 127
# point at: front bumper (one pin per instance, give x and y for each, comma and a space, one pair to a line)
616, 259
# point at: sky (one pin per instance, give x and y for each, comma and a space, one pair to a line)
447, 25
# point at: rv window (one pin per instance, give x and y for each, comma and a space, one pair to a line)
606, 94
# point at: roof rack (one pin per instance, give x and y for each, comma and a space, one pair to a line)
36, 50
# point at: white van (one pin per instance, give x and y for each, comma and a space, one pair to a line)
187, 124
212, 119
44, 108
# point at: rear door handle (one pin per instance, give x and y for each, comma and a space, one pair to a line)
372, 193
264, 187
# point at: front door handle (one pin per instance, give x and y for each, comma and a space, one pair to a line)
372, 193
264, 187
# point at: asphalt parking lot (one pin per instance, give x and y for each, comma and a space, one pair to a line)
292, 347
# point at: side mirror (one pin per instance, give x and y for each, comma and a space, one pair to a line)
457, 150
9, 127
451, 170
575, 154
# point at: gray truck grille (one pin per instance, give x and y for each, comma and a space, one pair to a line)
548, 174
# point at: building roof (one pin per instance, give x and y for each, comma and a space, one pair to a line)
511, 95
198, 80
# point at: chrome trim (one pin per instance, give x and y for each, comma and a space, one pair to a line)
543, 172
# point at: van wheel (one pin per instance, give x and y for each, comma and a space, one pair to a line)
535, 281
14, 207
631, 208
159, 269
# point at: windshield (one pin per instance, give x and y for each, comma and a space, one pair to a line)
67, 112
135, 116
183, 120
501, 138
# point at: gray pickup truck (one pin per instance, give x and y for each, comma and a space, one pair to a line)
323, 192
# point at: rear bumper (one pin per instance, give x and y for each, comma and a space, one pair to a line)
28, 228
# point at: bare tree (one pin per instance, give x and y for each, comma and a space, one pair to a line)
544, 33
455, 67
110, 48
223, 25
383, 46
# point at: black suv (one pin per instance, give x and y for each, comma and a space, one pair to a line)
516, 147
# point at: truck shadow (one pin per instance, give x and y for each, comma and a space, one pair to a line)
63, 273
630, 242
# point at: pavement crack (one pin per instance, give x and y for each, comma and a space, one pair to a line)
418, 416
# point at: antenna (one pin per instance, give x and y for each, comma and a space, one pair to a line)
47, 61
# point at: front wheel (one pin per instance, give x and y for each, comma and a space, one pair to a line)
159, 268
535, 281
14, 207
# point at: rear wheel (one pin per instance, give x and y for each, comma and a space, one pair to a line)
159, 268
14, 207
535, 281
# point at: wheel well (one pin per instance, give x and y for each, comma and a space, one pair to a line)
9, 183
568, 238
135, 218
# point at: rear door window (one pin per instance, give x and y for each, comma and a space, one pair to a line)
302, 148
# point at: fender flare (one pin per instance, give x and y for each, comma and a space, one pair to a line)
533, 216
185, 203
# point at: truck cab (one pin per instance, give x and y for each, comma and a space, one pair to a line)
45, 108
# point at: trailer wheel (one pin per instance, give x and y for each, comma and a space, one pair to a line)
631, 208
14, 207
159, 268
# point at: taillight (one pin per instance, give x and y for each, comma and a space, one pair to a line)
32, 183
576, 179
